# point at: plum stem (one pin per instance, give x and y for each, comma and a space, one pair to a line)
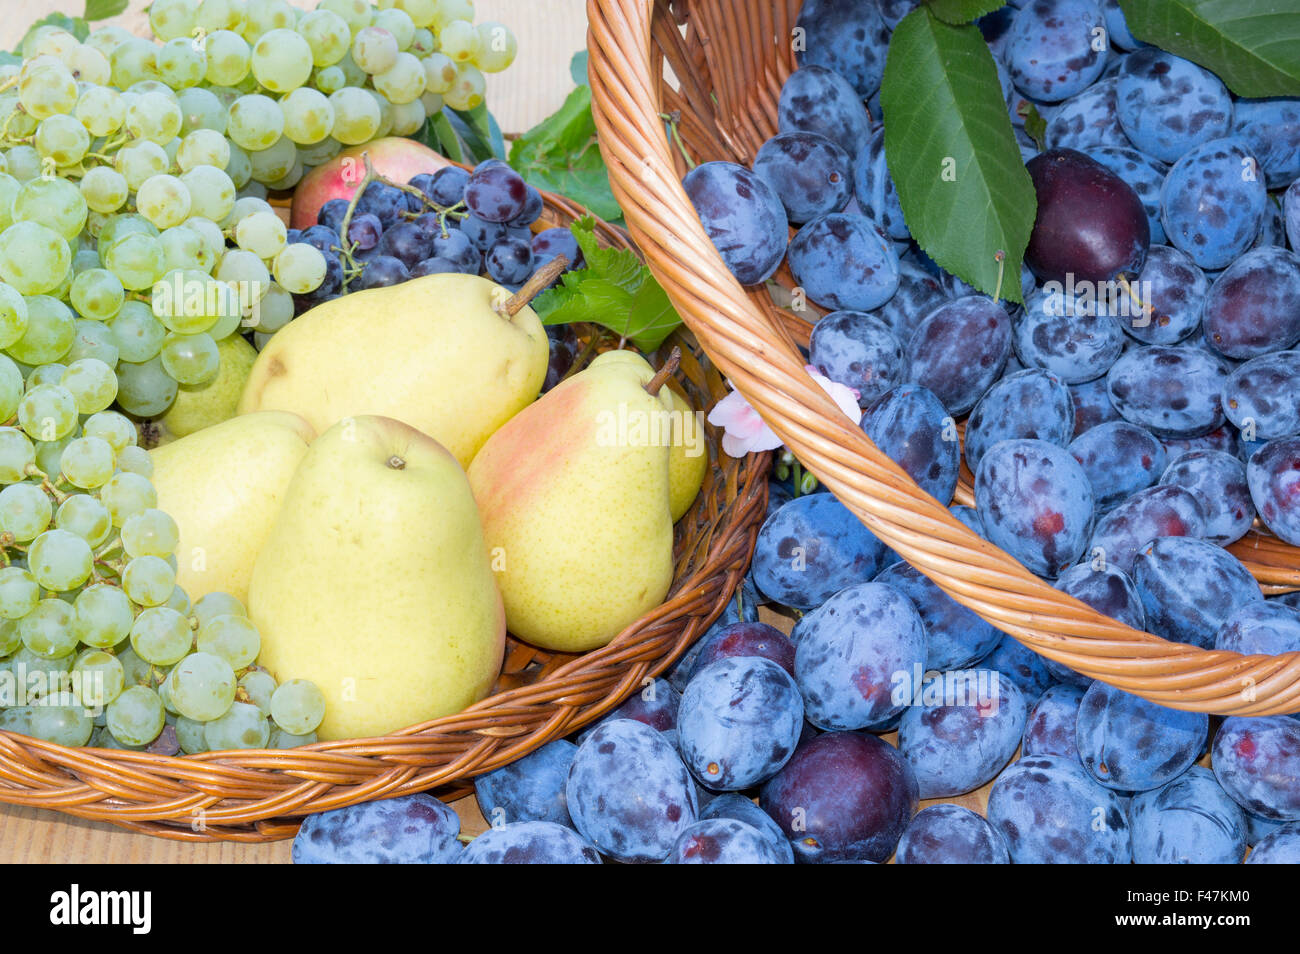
1001, 258
1132, 293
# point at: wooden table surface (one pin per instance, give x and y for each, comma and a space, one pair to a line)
549, 33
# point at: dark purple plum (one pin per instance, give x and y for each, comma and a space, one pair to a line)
1253, 307
1014, 661
1090, 223
955, 636
495, 193
723, 841
629, 794
1074, 338
1218, 481
850, 652
919, 293
741, 809
1050, 724
1189, 588
1171, 391
1130, 744
742, 215
1273, 474
859, 351
874, 188
408, 830
1120, 459
848, 37
1189, 820
1279, 847
747, 639
959, 350
815, 99
1210, 206
530, 789
1050, 52
1036, 503
1049, 810
1168, 105
1144, 173
910, 426
1257, 761
1162, 511
1267, 627
844, 262
842, 797
1031, 404
1262, 397
529, 843
811, 174
1091, 405
950, 835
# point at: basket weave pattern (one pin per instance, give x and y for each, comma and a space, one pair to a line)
261, 795
713, 70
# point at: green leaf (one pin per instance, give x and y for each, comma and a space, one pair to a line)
963, 187
1035, 126
560, 154
962, 11
578, 68
480, 132
103, 9
614, 290
1253, 45
448, 142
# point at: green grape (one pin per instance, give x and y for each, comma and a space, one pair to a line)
374, 50
45, 374
50, 668
256, 122
193, 360
217, 603
47, 90
113, 427
61, 561
262, 233
259, 686
136, 716
47, 412
102, 615
63, 288
88, 462
183, 247
47, 631
203, 687
444, 11
137, 333
179, 601
266, 15
308, 116
330, 79
241, 727
159, 636
239, 168
25, 511
228, 324
247, 205
423, 42
137, 161
200, 109
245, 272
275, 310
221, 15
13, 320
212, 192
12, 117
24, 164
385, 113
33, 258
282, 60
134, 60
154, 85
87, 256
421, 12
467, 92
137, 260
62, 139
287, 740
55, 203
96, 293
164, 200
404, 82
126, 494
300, 268
150, 532
16, 454
398, 23
155, 117
66, 724
357, 13
144, 389
84, 516
181, 64
298, 706
118, 226
203, 147
10, 641
188, 732
408, 118
94, 386
275, 163
460, 41
228, 58
19, 592
46, 39
233, 638
107, 38
356, 116
255, 190
173, 19
187, 301
88, 66
101, 110
439, 73
327, 36
93, 339
104, 189
497, 47
101, 678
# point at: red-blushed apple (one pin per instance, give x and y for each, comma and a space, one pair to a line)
396, 158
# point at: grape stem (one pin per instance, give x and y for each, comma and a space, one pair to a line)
10, 82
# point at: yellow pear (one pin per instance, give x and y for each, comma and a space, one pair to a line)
434, 352
199, 407
574, 496
375, 583
688, 454
223, 485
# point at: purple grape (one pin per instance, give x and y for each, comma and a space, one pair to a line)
380, 272
956, 637
408, 243
411, 829
1172, 392
1273, 474
950, 835
842, 797
365, 231
331, 214
529, 789
1257, 761
1031, 404
384, 202
1189, 588
844, 262
529, 843
1254, 306
482, 235
565, 347
743, 217
533, 206
495, 193
959, 350
724, 841
509, 261
435, 266
550, 243
1120, 459
1218, 481
320, 237
811, 175
1050, 725
1190, 820
446, 187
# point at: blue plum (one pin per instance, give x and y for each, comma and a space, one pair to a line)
655, 704
844, 261
859, 351
955, 636
1050, 50
815, 99
746, 639
959, 350
1257, 761
1014, 661
1211, 203
1291, 214
911, 427
529, 843
1117, 26
1050, 724
842, 797
410, 830
848, 37
811, 174
1130, 744
1268, 627
1190, 587
1171, 391
1032, 404
1036, 503
1049, 810
1189, 820
1273, 474
1161, 511
738, 807
1087, 120
530, 789
1120, 459
629, 794
1075, 340
1262, 396
1109, 591
950, 835
919, 292
1272, 129
1253, 307
1169, 105
1173, 290
1092, 405
1218, 480
1280, 847
1145, 174
743, 216
723, 841
874, 188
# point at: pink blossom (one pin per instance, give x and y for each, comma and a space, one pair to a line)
745, 432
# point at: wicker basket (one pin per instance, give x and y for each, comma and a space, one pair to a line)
712, 70
261, 795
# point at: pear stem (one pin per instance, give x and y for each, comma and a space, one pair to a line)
396, 463
668, 369
540, 280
